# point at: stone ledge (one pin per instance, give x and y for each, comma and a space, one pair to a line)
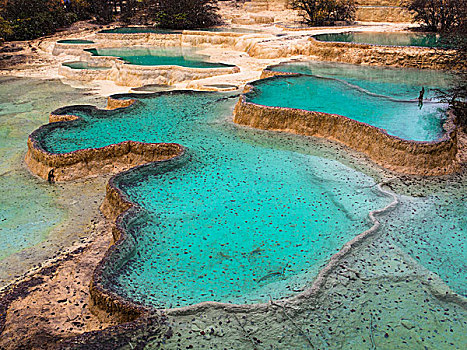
365, 54
391, 152
83, 163
395, 56
124, 74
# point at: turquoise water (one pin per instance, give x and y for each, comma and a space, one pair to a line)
159, 57
75, 41
27, 209
391, 302
83, 65
27, 214
377, 99
233, 220
28, 206
390, 39
139, 30
433, 230
397, 83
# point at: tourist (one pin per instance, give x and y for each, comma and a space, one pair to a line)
51, 176
420, 97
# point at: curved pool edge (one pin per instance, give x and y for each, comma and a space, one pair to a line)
423, 158
116, 207
110, 159
362, 54
318, 282
124, 74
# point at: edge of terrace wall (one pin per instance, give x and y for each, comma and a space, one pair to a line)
430, 158
395, 56
120, 212
124, 74
110, 159
117, 207
365, 54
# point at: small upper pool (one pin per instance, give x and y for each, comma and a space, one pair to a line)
139, 30
159, 57
386, 39
75, 41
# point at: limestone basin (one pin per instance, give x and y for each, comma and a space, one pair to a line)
138, 66
242, 216
430, 40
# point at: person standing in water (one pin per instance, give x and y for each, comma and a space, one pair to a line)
420, 97
51, 176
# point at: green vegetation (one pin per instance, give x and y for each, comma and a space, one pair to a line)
456, 96
325, 12
439, 15
185, 14
6, 29
26, 19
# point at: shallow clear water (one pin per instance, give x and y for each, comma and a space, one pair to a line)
392, 302
359, 95
75, 41
28, 206
168, 56
25, 215
83, 65
260, 220
398, 83
382, 38
433, 231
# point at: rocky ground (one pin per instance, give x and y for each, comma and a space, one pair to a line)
54, 303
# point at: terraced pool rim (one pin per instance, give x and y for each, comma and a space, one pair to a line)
118, 207
139, 30
83, 65
216, 65
316, 37
446, 145
75, 42
129, 310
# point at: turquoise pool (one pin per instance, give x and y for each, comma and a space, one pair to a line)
433, 230
229, 30
75, 41
386, 39
138, 30
397, 83
158, 57
263, 218
83, 65
385, 98
35, 224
